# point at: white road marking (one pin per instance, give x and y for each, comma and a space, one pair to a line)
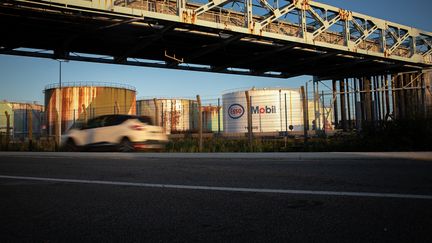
226, 189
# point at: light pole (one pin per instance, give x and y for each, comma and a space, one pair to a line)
59, 103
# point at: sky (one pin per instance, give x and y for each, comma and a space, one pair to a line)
24, 78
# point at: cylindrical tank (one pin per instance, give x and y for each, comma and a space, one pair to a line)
272, 109
81, 101
323, 119
174, 115
19, 118
5, 106
212, 116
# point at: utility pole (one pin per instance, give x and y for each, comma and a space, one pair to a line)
249, 120
305, 113
59, 101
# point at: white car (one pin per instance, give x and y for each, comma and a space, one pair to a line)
122, 132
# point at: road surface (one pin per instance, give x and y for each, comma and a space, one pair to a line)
275, 197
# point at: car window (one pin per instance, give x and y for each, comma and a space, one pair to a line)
115, 120
145, 119
95, 122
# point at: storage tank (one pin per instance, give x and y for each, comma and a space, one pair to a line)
84, 100
20, 116
211, 117
323, 121
272, 109
5, 106
174, 115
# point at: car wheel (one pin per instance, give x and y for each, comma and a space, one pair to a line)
126, 145
70, 146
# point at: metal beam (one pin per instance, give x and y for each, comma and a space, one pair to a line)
397, 44
205, 50
139, 63
365, 32
255, 57
145, 42
210, 5
300, 65
276, 13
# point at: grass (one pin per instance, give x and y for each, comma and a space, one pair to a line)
402, 135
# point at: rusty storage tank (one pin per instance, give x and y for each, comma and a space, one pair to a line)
272, 109
174, 115
19, 118
212, 118
81, 101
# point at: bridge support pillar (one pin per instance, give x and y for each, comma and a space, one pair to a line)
367, 99
357, 106
335, 105
427, 94
349, 123
387, 96
342, 104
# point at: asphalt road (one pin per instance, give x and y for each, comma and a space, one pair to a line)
315, 197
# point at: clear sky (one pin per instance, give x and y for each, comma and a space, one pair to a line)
24, 78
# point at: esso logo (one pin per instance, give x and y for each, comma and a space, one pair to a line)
235, 111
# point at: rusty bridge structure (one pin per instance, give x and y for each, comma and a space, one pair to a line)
254, 37
282, 39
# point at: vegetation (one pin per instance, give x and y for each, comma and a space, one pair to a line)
401, 135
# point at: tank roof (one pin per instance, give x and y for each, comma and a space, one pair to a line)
230, 91
90, 84
21, 102
164, 98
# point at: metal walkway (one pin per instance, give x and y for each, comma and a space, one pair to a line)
253, 37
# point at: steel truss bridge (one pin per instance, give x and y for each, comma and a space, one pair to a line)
284, 38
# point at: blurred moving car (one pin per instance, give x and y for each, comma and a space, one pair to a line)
120, 132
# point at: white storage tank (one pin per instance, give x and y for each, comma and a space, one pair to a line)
273, 110
174, 115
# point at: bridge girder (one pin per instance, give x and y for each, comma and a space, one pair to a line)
332, 30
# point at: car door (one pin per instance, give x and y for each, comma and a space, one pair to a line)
93, 128
110, 131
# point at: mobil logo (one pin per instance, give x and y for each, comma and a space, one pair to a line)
263, 109
235, 111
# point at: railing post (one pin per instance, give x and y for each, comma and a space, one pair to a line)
219, 130
30, 128
199, 123
248, 15
85, 112
323, 111
7, 129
